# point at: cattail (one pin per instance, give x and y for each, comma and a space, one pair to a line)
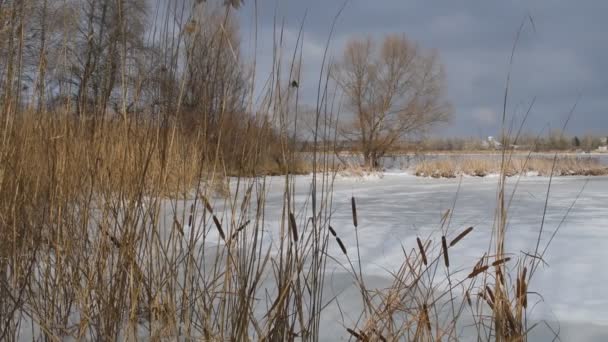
354, 333
446, 257
218, 225
460, 236
490, 303
490, 293
293, 227
341, 245
241, 227
354, 209
422, 253
332, 231
468, 296
179, 227
206, 203
500, 261
382, 338
477, 271
190, 218
426, 316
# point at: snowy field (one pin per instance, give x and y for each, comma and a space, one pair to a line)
395, 208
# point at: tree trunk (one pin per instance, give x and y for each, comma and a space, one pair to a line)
371, 160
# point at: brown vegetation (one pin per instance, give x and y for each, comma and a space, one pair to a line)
480, 167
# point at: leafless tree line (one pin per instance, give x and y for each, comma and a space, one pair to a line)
181, 61
104, 58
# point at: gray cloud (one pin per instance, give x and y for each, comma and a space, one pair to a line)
560, 56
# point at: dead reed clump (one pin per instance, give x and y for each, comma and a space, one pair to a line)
542, 166
270, 166
354, 170
436, 169
112, 186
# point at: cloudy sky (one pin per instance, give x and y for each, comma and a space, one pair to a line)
561, 57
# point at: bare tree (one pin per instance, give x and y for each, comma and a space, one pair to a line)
393, 91
108, 35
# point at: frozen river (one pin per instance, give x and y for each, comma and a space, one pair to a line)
396, 208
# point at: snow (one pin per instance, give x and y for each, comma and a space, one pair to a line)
398, 207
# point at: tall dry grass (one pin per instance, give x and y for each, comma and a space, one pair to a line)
108, 234
480, 167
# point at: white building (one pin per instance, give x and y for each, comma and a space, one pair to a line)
491, 143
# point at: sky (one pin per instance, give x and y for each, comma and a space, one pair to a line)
561, 59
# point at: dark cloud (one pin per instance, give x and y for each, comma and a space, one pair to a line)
561, 56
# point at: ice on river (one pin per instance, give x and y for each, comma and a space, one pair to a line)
395, 208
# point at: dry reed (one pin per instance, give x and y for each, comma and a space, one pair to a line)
565, 166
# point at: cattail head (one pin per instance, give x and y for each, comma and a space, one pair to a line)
477, 271
490, 293
426, 317
501, 261
446, 257
191, 216
354, 333
341, 245
218, 225
382, 338
241, 227
524, 288
354, 210
293, 227
460, 236
422, 253
206, 203
179, 227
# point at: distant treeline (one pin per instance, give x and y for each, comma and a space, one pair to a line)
554, 141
